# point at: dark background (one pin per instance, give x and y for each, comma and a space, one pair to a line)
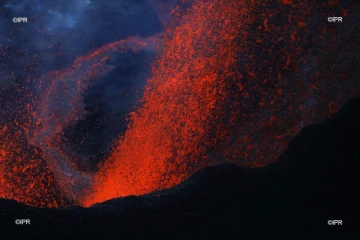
313, 181
56, 33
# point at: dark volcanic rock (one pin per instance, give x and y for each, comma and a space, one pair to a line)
314, 181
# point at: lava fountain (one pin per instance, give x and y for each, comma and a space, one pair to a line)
61, 104
235, 81
230, 85
172, 134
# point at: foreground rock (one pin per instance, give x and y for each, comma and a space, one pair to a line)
314, 181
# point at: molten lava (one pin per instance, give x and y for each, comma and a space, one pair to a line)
171, 134
61, 103
235, 81
24, 176
220, 91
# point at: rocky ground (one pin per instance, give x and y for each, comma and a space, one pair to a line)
314, 181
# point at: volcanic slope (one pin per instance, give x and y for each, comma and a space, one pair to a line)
314, 181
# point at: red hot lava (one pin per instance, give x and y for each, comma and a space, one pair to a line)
219, 93
24, 177
234, 82
62, 103
171, 134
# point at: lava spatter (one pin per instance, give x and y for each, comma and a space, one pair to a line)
24, 175
60, 104
235, 81
171, 134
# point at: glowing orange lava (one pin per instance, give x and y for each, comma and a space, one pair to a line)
61, 103
235, 81
230, 85
23, 175
171, 134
